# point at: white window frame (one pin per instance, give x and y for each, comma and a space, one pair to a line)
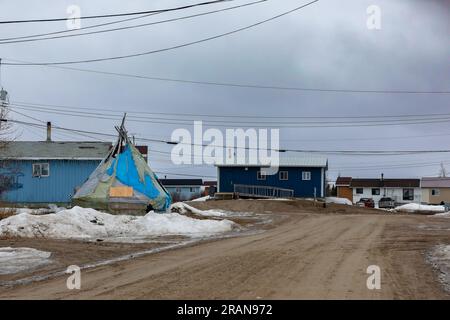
192, 189
356, 190
306, 175
40, 165
283, 178
261, 176
437, 192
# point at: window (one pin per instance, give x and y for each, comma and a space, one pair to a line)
177, 189
408, 194
261, 175
306, 175
192, 189
435, 192
359, 190
376, 191
41, 170
284, 175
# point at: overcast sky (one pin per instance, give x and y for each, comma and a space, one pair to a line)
325, 45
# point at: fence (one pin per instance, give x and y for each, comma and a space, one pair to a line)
262, 191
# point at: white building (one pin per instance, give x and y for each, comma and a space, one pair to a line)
400, 190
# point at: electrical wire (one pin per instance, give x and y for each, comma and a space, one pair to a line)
115, 14
132, 27
187, 44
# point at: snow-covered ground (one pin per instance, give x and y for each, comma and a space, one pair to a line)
90, 224
439, 257
338, 200
14, 260
415, 207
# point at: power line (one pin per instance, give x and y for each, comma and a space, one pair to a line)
115, 14
347, 152
77, 30
235, 84
187, 44
132, 27
226, 116
259, 124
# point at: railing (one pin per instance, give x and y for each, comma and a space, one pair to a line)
262, 191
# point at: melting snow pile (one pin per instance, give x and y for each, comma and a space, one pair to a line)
338, 201
203, 198
440, 259
13, 260
85, 223
184, 208
414, 207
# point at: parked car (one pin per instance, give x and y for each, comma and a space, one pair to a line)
386, 203
366, 202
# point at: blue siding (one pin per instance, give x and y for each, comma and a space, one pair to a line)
229, 176
65, 176
184, 193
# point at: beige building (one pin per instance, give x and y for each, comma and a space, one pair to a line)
435, 190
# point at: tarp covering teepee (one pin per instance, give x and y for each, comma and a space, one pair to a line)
123, 182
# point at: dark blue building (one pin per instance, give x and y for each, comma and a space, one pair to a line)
42, 172
305, 176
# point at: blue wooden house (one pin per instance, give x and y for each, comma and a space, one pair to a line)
183, 189
300, 177
43, 172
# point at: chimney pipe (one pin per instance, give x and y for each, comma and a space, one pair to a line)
49, 131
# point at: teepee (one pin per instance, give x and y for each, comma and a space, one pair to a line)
123, 182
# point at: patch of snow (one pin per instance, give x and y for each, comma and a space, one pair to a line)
338, 200
275, 199
439, 257
14, 260
52, 208
184, 208
90, 224
205, 198
415, 207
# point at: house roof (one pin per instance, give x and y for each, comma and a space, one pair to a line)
210, 183
53, 150
435, 182
343, 181
385, 183
300, 161
181, 182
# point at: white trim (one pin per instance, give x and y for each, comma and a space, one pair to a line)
322, 178
218, 179
287, 175
309, 175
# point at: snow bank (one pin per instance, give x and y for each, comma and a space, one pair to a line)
203, 198
184, 208
85, 223
13, 260
415, 207
338, 200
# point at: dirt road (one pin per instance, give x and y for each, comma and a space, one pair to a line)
304, 256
